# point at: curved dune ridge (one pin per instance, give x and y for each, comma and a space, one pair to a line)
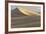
27, 12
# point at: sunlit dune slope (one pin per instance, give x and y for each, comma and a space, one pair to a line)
27, 12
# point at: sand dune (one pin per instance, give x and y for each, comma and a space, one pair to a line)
22, 17
27, 11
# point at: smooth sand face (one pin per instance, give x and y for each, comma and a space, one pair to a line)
28, 21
